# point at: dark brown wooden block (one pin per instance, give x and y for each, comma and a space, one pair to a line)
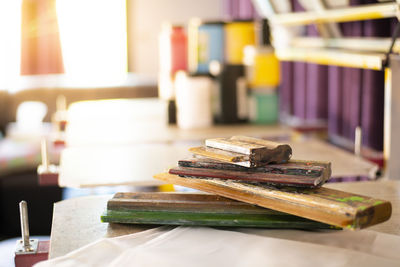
258, 150
294, 173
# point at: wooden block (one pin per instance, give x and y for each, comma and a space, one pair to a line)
219, 154
31, 258
48, 175
295, 173
155, 201
225, 156
198, 209
295, 167
274, 179
325, 205
258, 150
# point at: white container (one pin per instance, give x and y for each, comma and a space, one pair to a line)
193, 101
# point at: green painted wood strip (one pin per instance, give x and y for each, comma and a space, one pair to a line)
212, 219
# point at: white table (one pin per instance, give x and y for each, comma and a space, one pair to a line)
76, 222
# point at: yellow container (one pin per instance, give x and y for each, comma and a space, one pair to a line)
262, 67
237, 36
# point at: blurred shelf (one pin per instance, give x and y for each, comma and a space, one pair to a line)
369, 44
373, 11
326, 56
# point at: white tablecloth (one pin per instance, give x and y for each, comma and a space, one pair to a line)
203, 246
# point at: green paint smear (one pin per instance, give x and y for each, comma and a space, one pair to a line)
362, 208
378, 203
353, 199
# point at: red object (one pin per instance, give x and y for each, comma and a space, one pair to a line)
48, 179
27, 260
48, 175
373, 156
178, 49
59, 143
310, 128
62, 125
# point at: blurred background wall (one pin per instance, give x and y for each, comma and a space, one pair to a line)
144, 24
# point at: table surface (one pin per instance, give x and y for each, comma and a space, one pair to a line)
76, 222
170, 145
21, 154
153, 151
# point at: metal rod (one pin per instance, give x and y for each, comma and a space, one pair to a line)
61, 103
326, 30
391, 122
43, 150
23, 212
358, 141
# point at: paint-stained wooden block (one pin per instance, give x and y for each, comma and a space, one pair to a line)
198, 209
325, 205
258, 150
225, 156
222, 155
295, 173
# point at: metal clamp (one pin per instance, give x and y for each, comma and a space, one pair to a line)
25, 245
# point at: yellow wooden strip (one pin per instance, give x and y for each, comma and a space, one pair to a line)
323, 204
375, 11
327, 56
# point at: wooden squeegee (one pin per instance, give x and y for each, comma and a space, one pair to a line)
295, 173
198, 209
325, 205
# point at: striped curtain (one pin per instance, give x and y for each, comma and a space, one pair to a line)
40, 39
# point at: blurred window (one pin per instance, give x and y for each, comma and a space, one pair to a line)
83, 39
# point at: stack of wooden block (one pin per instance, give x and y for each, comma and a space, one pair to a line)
254, 160
253, 183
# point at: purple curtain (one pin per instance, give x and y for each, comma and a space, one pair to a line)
372, 100
316, 87
286, 93
239, 9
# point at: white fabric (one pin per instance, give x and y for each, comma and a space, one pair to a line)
114, 121
202, 246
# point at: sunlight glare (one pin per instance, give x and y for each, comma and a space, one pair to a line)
93, 38
10, 36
